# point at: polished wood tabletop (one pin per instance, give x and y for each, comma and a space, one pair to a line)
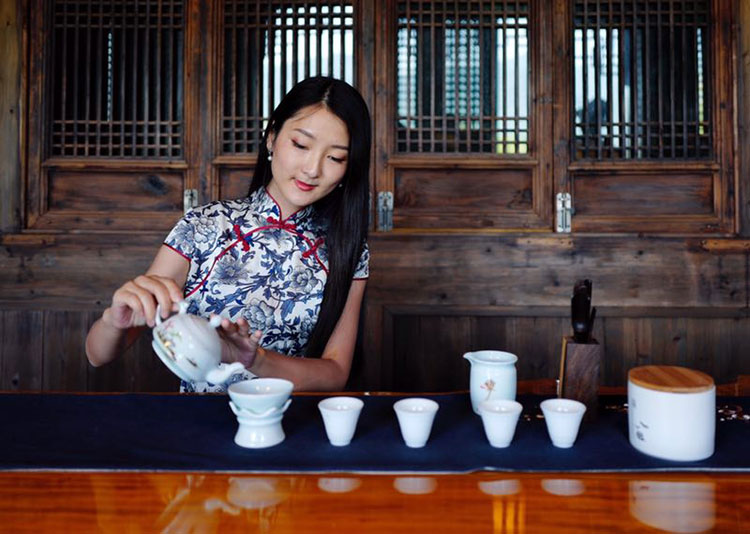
125, 502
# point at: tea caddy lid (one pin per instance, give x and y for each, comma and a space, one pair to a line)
670, 378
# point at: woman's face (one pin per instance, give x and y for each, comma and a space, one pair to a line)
310, 156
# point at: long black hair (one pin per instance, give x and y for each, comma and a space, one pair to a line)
345, 209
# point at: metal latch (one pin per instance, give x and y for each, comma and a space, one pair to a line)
189, 199
385, 211
563, 213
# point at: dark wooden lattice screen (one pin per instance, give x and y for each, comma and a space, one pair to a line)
116, 85
270, 46
642, 79
463, 77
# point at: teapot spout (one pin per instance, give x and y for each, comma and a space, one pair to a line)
221, 374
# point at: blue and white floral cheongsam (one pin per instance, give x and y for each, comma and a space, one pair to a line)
247, 262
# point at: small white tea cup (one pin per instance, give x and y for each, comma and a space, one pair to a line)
499, 418
563, 418
340, 415
415, 416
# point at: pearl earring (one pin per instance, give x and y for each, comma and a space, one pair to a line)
270, 156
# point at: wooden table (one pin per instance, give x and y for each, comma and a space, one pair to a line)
478, 502
499, 502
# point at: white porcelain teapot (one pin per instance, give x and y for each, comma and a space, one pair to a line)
190, 347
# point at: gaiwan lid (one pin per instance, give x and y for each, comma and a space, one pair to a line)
670, 378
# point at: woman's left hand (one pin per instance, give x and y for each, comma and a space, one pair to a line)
239, 344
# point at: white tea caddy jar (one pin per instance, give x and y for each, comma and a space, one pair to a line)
672, 412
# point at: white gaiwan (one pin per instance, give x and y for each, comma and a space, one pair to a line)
259, 405
190, 347
260, 396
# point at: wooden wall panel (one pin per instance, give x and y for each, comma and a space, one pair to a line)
64, 272
110, 200
21, 350
713, 345
139, 369
539, 271
115, 191
427, 349
535, 340
234, 183
368, 367
629, 195
427, 352
428, 300
476, 198
45, 351
150, 373
64, 363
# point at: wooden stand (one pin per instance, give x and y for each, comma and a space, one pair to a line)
579, 374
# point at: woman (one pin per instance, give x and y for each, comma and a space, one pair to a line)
285, 267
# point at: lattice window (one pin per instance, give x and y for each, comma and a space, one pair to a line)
270, 46
642, 80
116, 78
463, 74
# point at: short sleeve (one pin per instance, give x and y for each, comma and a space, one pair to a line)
363, 266
182, 237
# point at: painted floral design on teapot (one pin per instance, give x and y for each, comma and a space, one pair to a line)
190, 347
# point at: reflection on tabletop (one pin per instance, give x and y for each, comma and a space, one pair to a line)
346, 502
683, 507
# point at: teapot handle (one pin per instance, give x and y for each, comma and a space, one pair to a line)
182, 306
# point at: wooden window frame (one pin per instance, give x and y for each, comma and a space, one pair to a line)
548, 164
713, 182
702, 192
480, 217
152, 176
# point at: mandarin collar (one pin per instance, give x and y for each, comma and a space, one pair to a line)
268, 207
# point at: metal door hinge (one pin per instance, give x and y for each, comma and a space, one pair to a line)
385, 211
189, 199
564, 213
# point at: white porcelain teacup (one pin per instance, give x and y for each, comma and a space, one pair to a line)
499, 419
190, 347
563, 418
340, 415
415, 417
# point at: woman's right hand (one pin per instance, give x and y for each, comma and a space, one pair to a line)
134, 304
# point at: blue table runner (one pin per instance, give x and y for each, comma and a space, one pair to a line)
196, 432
